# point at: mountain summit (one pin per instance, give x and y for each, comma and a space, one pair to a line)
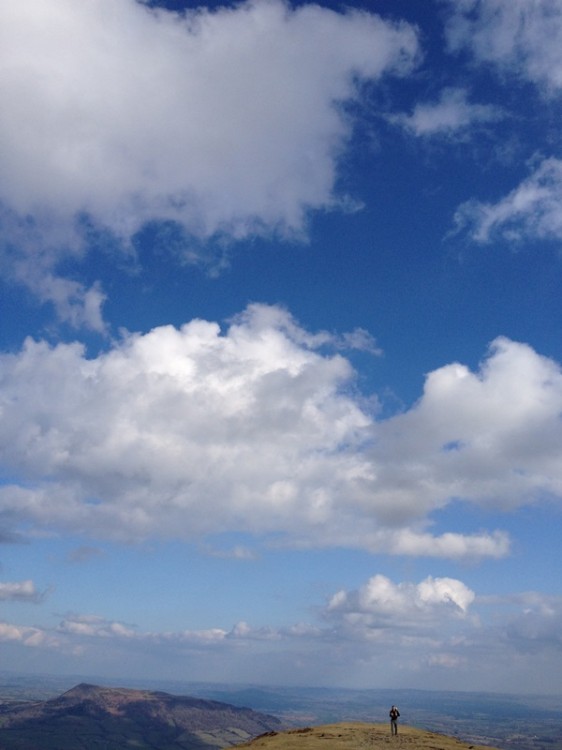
356, 736
89, 716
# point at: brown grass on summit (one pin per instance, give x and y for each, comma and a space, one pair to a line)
356, 736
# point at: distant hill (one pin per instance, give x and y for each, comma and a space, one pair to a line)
511, 722
356, 736
88, 717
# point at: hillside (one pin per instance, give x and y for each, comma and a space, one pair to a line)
88, 717
356, 736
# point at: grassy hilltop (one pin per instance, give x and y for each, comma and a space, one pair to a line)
356, 736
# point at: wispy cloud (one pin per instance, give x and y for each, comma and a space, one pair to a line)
451, 116
530, 212
520, 37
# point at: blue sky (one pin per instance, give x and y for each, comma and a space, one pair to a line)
280, 342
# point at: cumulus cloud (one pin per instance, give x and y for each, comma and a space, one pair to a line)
197, 431
519, 36
83, 627
27, 636
94, 626
23, 591
438, 624
184, 432
227, 121
451, 115
491, 436
532, 211
380, 603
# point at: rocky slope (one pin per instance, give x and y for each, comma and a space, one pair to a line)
89, 717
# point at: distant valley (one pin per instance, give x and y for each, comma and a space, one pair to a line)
508, 722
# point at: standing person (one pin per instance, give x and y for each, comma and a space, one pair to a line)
394, 713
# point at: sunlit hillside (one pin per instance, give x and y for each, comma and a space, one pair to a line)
356, 736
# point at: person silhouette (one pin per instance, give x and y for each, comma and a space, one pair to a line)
394, 713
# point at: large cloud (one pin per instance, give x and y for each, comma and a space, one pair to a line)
520, 36
226, 121
184, 433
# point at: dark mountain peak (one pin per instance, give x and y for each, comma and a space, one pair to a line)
109, 714
95, 698
117, 698
83, 690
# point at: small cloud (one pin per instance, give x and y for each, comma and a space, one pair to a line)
93, 626
27, 636
532, 211
361, 340
451, 115
23, 591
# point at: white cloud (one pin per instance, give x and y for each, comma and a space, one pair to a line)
491, 437
451, 115
425, 630
451, 545
190, 432
417, 630
27, 636
94, 626
380, 603
85, 628
29, 253
519, 36
226, 121
532, 211
184, 432
20, 591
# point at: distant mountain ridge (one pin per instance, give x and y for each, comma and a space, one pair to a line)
89, 716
